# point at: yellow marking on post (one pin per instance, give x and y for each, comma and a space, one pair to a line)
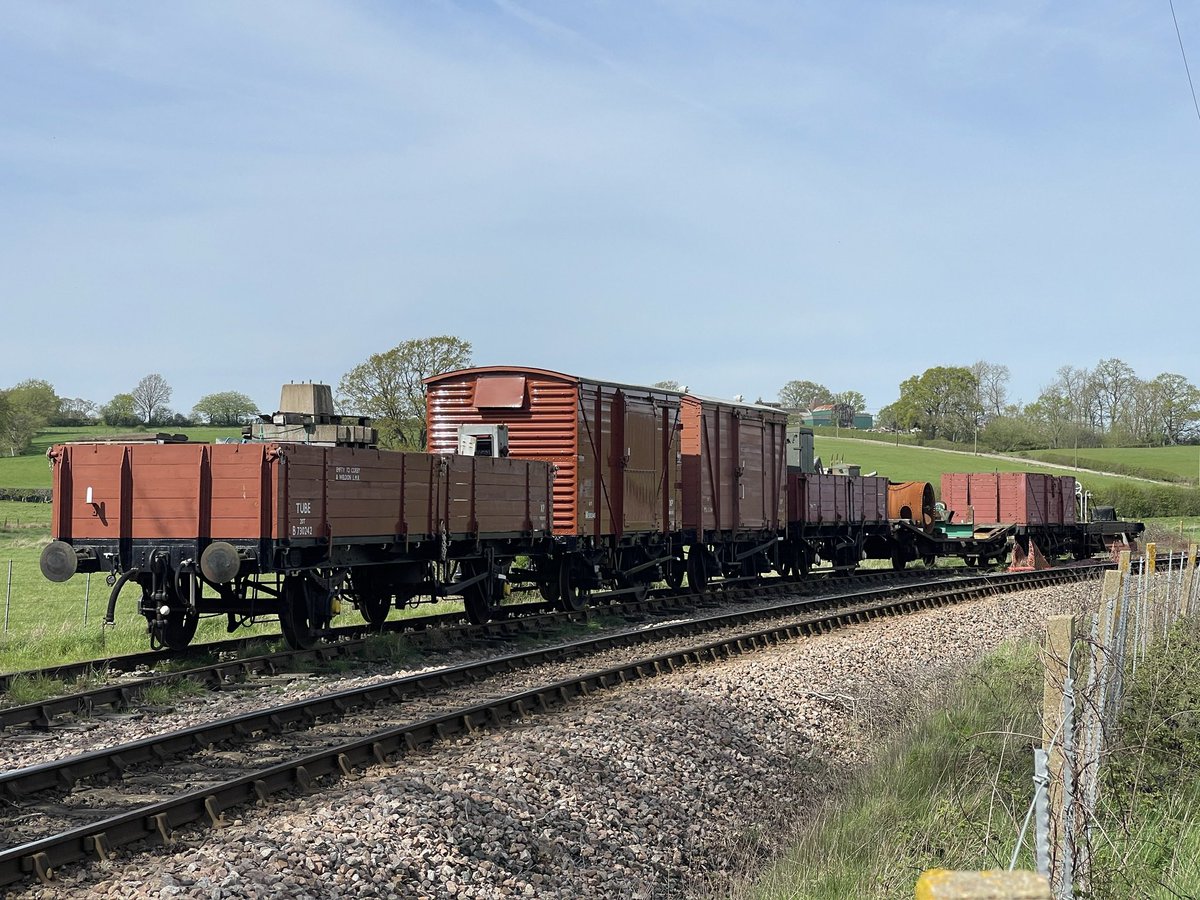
995, 884
1123, 562
1151, 558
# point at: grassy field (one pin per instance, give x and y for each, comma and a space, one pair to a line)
44, 622
906, 463
1181, 462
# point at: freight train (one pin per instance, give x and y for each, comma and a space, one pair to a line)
533, 479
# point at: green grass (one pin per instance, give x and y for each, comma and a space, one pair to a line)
951, 793
1175, 532
903, 463
1175, 463
907, 463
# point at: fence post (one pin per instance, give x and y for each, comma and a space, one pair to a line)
1189, 580
1060, 639
87, 596
8, 597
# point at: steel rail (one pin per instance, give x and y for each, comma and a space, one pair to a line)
522, 620
41, 857
20, 784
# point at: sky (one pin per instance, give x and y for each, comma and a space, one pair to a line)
731, 194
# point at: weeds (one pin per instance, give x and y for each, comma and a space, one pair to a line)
30, 689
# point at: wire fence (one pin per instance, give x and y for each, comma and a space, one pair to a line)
1087, 661
32, 602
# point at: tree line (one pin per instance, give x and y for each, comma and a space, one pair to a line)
28, 407
1107, 404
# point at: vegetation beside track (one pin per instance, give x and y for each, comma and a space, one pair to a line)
953, 791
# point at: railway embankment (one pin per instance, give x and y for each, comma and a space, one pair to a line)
667, 787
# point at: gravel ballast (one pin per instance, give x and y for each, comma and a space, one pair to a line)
661, 788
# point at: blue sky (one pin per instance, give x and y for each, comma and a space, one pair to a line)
729, 194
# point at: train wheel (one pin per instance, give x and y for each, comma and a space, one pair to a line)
675, 572
482, 599
301, 626
571, 597
930, 561
899, 560
178, 629
374, 606
697, 570
549, 591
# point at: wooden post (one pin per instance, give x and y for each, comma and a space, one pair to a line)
1189, 579
1151, 557
1060, 639
1111, 596
1123, 562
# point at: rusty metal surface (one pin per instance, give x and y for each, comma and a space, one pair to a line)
615, 447
734, 464
912, 501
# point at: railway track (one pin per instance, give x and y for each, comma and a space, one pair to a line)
445, 630
87, 806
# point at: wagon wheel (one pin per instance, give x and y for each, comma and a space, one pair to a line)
973, 561
799, 565
482, 599
177, 631
374, 605
697, 569
675, 572
548, 581
640, 589
899, 559
305, 612
571, 596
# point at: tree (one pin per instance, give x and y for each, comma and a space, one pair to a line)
669, 385
75, 411
943, 402
150, 395
388, 386
993, 386
26, 410
224, 408
36, 397
805, 395
846, 405
1114, 383
1177, 408
120, 410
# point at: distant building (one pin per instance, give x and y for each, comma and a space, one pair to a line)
827, 415
818, 415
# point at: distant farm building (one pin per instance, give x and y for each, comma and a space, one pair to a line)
827, 415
